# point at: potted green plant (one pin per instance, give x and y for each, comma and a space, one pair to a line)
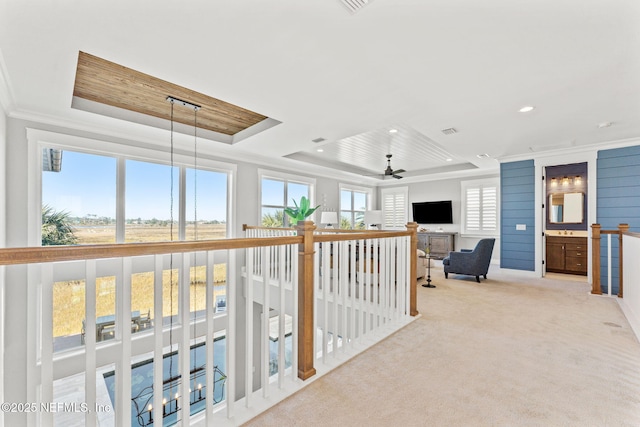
300, 212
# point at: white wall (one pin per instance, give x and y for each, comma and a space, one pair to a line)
448, 189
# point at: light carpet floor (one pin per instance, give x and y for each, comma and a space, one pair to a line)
510, 351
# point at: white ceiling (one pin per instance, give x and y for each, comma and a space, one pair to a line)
415, 65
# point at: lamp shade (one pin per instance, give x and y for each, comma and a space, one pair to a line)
373, 217
329, 218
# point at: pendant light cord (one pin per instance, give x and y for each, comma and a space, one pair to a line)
195, 232
171, 262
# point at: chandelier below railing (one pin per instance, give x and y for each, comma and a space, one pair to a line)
171, 404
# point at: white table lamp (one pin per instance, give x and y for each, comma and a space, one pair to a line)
329, 218
373, 218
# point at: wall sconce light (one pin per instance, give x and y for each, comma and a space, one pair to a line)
565, 181
554, 182
577, 180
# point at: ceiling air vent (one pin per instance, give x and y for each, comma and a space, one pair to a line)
355, 5
318, 140
449, 131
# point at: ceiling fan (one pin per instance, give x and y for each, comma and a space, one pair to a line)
390, 172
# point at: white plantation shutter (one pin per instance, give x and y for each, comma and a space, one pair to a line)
480, 207
394, 208
473, 209
490, 208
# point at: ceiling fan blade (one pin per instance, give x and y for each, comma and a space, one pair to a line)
397, 177
399, 171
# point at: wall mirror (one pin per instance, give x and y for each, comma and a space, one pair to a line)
566, 208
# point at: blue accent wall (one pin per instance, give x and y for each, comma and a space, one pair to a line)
618, 201
517, 206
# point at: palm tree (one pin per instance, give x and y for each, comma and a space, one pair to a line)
56, 228
273, 220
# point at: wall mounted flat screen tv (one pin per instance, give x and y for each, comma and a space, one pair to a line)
433, 212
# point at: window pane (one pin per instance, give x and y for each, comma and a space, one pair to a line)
358, 217
272, 217
105, 308
272, 192
295, 192
345, 219
359, 201
78, 198
206, 196
142, 289
148, 203
345, 200
68, 314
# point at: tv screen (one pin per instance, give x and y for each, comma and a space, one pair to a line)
433, 212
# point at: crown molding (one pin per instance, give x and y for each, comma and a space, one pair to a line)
575, 150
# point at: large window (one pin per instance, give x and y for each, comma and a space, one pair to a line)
480, 207
353, 204
395, 203
81, 200
279, 191
92, 192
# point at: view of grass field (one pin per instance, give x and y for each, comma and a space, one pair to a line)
97, 234
69, 297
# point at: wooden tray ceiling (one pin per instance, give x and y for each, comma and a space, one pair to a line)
105, 82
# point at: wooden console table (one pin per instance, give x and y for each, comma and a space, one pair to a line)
439, 243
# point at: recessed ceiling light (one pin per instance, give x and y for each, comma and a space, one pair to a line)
604, 125
319, 150
483, 156
393, 130
449, 160
527, 109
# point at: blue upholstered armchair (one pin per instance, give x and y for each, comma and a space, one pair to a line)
470, 262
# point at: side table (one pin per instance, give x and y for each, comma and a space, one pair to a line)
428, 284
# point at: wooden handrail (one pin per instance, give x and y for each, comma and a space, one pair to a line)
596, 232
39, 254
246, 227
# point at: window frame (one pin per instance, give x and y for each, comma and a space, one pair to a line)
481, 184
39, 139
354, 189
286, 178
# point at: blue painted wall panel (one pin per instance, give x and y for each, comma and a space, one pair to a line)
517, 206
618, 202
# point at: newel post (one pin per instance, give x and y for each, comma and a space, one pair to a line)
622, 228
413, 293
595, 259
305, 300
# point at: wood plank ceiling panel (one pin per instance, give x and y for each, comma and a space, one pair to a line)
112, 84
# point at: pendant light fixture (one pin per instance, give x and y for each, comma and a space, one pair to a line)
172, 100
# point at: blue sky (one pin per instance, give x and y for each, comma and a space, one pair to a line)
86, 185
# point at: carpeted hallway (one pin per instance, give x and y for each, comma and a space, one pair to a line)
510, 351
